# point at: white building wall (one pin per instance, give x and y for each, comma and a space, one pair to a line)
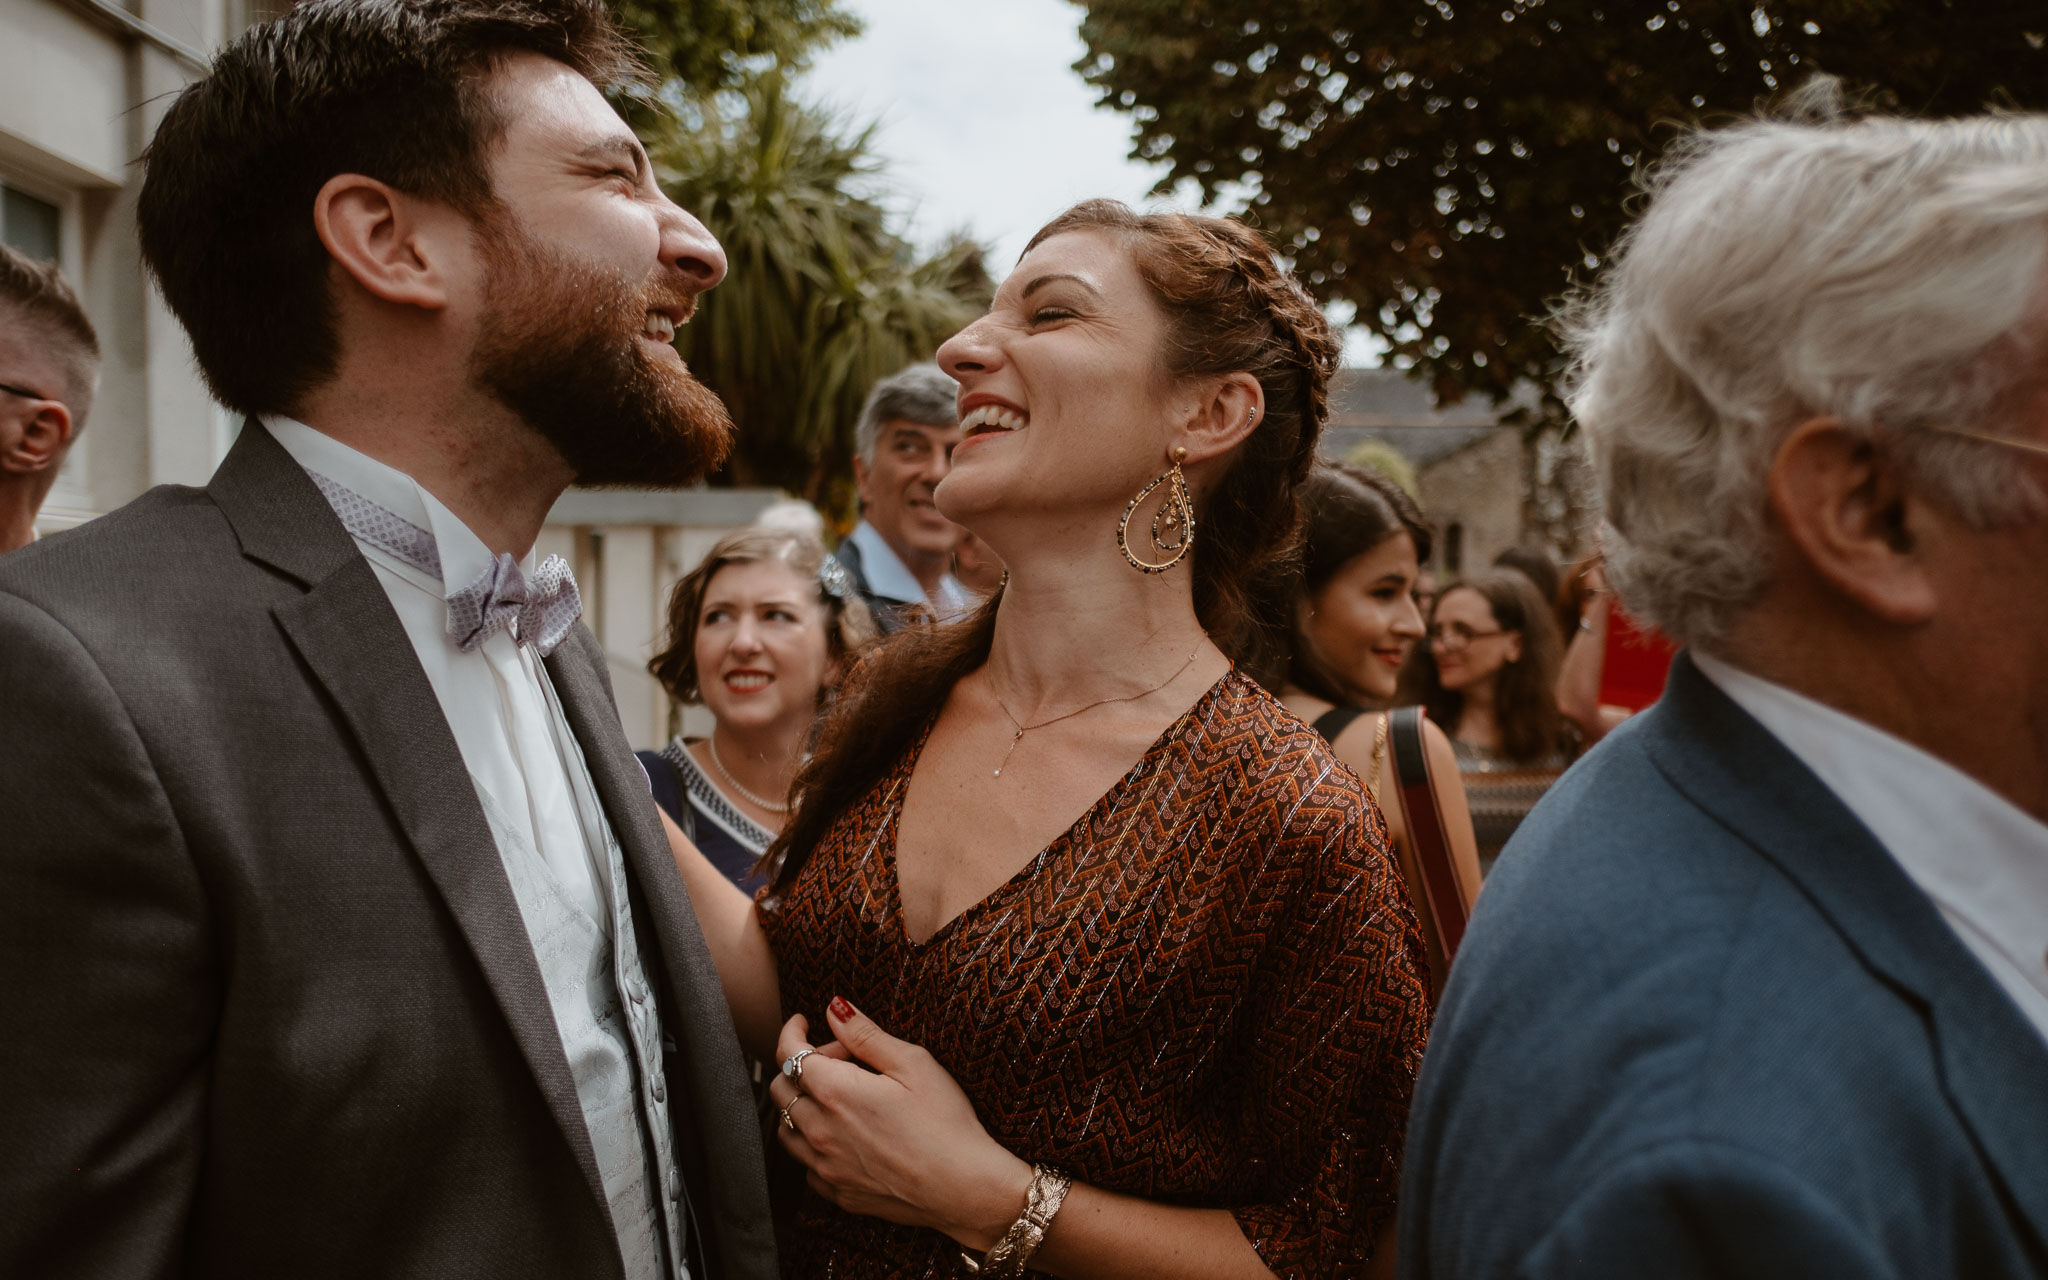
80, 94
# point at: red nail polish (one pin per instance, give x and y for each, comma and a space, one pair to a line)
840, 1009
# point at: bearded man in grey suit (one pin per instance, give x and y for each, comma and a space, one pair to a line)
338, 933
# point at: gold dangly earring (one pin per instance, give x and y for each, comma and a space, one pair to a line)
1173, 526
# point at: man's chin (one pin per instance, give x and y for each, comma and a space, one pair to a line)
667, 440
670, 461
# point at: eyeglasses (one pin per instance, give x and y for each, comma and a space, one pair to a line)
23, 392
1457, 635
1985, 437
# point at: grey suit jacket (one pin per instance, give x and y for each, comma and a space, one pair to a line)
267, 1007
1703, 1025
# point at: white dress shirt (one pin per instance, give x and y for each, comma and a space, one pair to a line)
891, 579
559, 853
1982, 859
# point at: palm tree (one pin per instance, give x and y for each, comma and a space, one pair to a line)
822, 299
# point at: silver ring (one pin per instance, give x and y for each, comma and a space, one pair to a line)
793, 1068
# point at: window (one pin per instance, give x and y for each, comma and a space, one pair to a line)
1454, 547
33, 226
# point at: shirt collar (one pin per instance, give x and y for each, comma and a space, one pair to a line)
464, 557
1975, 853
891, 579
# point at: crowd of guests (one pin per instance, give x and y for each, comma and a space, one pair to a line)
1118, 856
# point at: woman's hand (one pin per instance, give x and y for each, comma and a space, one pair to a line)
886, 1132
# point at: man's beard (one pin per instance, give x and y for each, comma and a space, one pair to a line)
560, 347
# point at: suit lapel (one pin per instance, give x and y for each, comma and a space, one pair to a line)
1994, 1062
346, 632
721, 1110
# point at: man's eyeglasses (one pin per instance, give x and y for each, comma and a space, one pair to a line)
23, 392
2010, 442
1457, 635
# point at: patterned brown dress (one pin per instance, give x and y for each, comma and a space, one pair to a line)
1210, 991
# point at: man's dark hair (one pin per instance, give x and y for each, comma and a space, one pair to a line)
33, 295
392, 89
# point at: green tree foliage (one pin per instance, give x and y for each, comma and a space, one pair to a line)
703, 46
822, 299
1388, 461
1448, 166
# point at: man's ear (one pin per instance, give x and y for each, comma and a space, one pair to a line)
1850, 514
860, 480
1223, 418
394, 245
36, 441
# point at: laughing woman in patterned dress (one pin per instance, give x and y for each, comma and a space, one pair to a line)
1107, 966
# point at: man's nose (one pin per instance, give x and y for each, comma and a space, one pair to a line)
689, 247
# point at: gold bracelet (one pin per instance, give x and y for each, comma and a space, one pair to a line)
1008, 1257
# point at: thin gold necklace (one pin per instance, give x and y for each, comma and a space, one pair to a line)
734, 783
1023, 728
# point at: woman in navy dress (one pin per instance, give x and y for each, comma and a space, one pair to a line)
758, 633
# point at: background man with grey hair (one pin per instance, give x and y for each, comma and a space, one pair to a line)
49, 367
900, 554
1760, 989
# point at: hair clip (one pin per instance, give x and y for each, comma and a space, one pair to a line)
833, 579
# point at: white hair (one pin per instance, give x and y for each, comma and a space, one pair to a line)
1889, 273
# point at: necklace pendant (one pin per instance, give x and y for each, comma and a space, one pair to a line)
997, 774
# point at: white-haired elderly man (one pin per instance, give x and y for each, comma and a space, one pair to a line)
1761, 988
900, 556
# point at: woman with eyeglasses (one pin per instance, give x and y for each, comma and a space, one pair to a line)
1354, 619
1488, 674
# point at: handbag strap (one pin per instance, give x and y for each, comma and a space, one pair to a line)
1336, 720
1426, 834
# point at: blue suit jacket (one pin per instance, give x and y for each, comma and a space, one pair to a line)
1703, 1025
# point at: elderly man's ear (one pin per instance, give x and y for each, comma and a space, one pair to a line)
35, 441
1849, 511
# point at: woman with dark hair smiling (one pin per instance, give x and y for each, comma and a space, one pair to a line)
1352, 622
1134, 979
1489, 676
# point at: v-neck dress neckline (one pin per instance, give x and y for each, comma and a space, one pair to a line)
1054, 848
1209, 991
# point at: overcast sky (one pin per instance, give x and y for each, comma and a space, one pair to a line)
985, 125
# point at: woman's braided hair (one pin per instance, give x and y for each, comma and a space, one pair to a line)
1230, 309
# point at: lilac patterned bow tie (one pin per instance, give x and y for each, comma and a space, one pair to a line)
539, 610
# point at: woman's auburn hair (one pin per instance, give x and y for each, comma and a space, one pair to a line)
849, 626
1525, 697
1229, 309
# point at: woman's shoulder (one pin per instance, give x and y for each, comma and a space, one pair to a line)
1281, 797
1271, 745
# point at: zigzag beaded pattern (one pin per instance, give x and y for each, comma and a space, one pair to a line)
1209, 991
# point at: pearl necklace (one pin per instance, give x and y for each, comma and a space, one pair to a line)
734, 783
